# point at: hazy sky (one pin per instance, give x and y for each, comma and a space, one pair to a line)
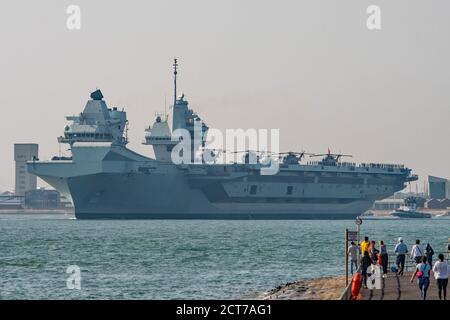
310, 68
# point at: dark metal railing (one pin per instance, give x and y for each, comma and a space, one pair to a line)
410, 264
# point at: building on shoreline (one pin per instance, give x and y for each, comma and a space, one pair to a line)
437, 203
25, 181
42, 199
388, 204
8, 200
439, 188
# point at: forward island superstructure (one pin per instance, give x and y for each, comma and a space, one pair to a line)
105, 179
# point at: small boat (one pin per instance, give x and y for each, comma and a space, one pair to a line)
409, 210
401, 213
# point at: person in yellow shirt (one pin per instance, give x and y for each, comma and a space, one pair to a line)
365, 245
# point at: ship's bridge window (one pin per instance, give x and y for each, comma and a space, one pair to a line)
253, 189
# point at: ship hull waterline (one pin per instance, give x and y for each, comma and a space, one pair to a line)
116, 196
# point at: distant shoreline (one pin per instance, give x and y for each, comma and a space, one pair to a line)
386, 213
368, 215
37, 211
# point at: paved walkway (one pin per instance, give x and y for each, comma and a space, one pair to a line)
400, 288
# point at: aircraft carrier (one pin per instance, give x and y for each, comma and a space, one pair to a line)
105, 179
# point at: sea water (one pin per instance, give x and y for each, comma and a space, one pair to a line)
181, 259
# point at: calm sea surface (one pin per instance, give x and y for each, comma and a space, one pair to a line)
185, 259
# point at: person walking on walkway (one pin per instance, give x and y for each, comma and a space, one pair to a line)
429, 252
384, 257
373, 252
400, 250
423, 274
366, 263
441, 270
353, 252
417, 252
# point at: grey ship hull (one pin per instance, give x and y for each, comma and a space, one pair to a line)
122, 196
112, 182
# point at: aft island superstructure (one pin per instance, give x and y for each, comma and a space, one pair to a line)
105, 179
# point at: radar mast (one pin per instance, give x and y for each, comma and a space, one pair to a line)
175, 71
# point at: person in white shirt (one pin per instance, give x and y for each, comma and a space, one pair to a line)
417, 252
441, 271
353, 252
